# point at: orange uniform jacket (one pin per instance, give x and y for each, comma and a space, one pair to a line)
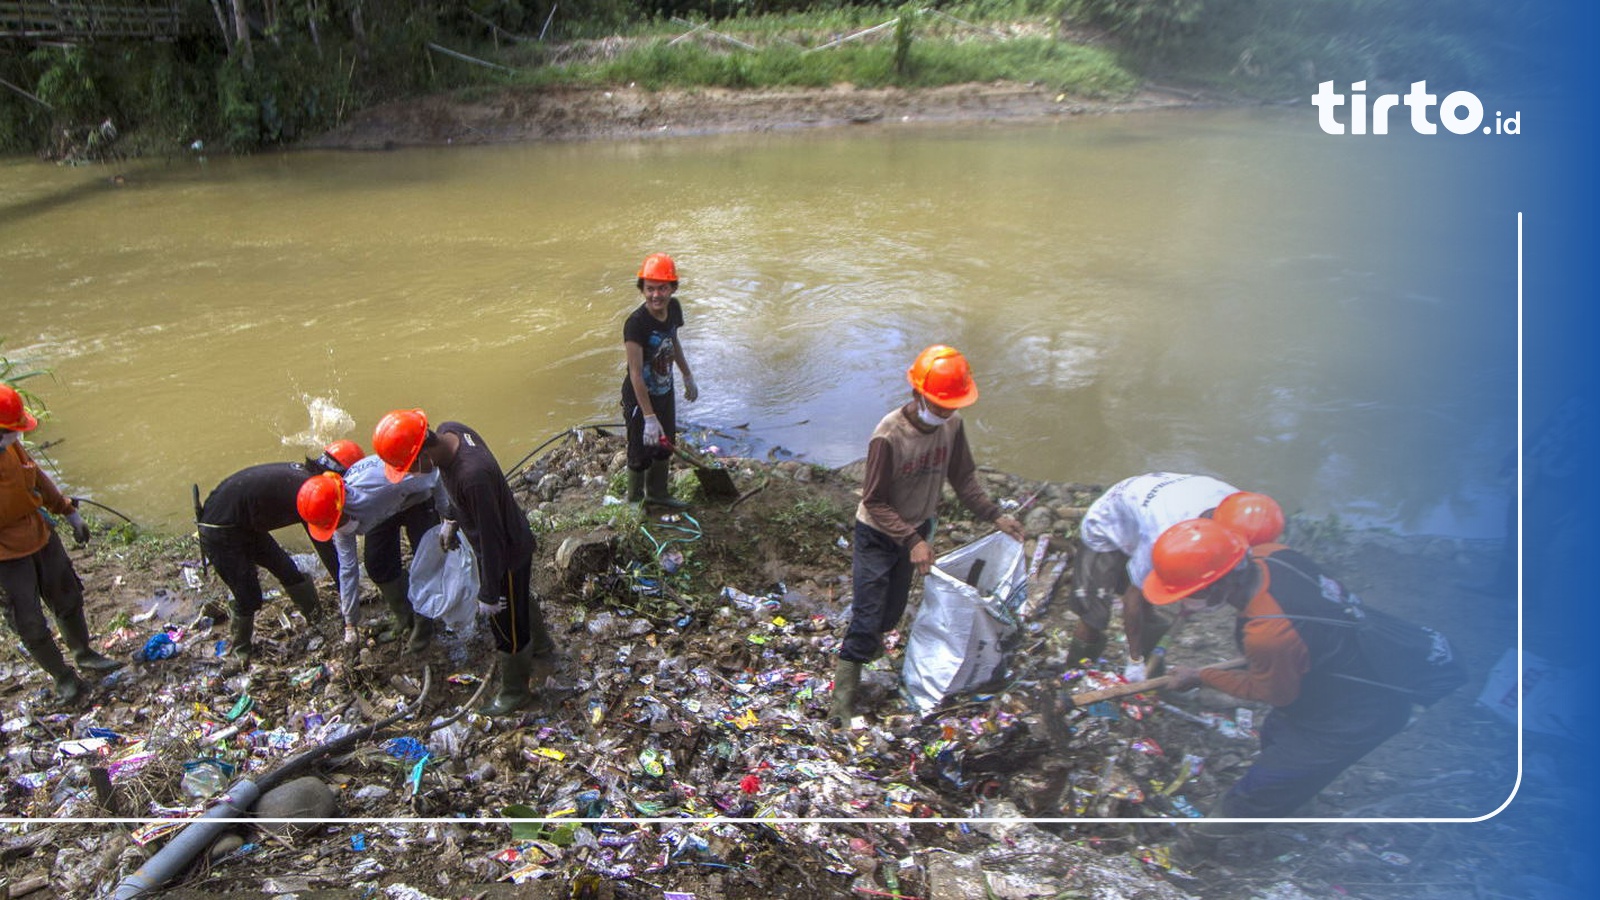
24, 487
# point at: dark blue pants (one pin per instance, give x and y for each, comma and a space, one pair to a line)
1298, 760
881, 573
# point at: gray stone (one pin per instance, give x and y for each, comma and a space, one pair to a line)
303, 798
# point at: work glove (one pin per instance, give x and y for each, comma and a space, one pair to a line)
492, 609
652, 432
691, 391
448, 539
1135, 670
80, 528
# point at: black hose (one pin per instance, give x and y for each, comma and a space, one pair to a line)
564, 433
108, 509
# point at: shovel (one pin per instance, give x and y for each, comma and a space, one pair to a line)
715, 481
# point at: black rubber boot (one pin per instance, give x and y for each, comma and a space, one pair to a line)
395, 595
304, 597
846, 678
421, 634
1084, 649
514, 693
635, 485
75, 634
657, 486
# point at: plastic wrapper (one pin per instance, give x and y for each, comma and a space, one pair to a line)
958, 637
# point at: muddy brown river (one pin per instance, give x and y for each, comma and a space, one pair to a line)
1227, 291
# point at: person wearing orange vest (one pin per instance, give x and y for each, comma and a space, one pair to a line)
913, 452
35, 570
651, 346
1328, 708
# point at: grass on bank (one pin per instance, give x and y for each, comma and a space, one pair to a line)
1083, 71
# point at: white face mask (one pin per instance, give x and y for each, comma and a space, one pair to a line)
928, 416
9, 438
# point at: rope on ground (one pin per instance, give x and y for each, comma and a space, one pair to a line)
674, 533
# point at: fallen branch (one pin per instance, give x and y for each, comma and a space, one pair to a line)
456, 54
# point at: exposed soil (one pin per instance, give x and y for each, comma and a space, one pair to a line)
726, 693
570, 113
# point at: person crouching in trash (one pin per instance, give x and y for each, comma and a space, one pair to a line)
914, 450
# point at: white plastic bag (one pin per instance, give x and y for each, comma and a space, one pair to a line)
444, 585
958, 635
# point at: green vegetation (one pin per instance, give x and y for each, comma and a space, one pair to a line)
306, 64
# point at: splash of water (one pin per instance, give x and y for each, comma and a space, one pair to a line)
328, 422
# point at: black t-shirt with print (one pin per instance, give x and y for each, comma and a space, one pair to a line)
660, 343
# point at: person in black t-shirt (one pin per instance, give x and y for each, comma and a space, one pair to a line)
650, 341
496, 528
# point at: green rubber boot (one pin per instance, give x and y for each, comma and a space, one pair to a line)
421, 634
635, 485
395, 595
241, 637
75, 634
304, 597
68, 687
657, 489
846, 678
514, 693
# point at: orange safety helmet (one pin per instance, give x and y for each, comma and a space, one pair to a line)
344, 452
1255, 517
658, 267
321, 503
13, 415
942, 375
398, 439
1189, 556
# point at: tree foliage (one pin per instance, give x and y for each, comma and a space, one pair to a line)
253, 73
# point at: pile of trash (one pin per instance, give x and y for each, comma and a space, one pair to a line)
681, 733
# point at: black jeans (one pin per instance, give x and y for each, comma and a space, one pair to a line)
382, 550
666, 409
45, 575
522, 621
881, 573
235, 552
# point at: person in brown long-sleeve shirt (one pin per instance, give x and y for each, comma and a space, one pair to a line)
914, 450
35, 570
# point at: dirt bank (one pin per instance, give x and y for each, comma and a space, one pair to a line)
510, 115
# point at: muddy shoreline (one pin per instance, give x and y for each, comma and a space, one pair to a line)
516, 115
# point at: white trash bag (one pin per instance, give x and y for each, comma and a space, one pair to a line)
957, 637
444, 585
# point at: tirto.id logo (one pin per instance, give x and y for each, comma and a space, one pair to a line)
1460, 112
